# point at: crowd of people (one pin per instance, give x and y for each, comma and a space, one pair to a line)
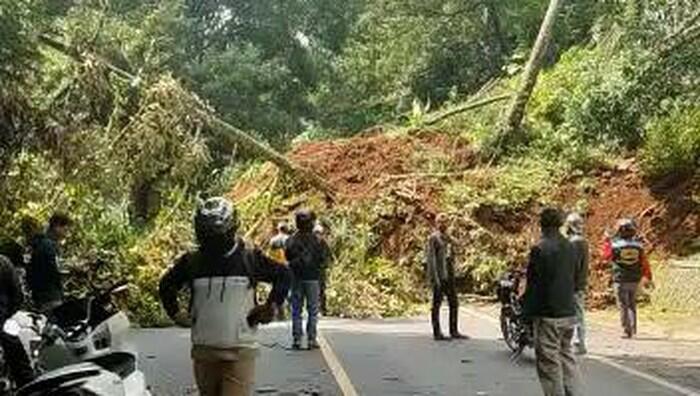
221, 275
555, 294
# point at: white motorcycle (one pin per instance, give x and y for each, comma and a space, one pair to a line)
81, 350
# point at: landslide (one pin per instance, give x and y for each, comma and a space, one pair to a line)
390, 187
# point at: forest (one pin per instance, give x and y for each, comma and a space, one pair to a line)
378, 114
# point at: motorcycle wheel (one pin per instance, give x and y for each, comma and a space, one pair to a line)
509, 331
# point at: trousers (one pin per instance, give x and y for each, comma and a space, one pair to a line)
305, 291
626, 293
580, 334
556, 363
439, 293
229, 373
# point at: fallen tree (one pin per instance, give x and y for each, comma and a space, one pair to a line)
236, 135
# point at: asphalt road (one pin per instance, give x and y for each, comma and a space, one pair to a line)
385, 357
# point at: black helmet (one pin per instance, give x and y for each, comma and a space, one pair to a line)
626, 226
215, 217
305, 220
551, 218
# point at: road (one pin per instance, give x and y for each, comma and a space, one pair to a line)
391, 357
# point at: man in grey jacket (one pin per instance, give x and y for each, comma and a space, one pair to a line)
573, 227
439, 257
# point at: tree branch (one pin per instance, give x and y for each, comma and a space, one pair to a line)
234, 133
465, 108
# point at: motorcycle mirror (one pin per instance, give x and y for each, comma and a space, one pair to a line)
11, 327
120, 289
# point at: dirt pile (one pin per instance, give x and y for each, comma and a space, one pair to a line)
394, 175
364, 167
667, 214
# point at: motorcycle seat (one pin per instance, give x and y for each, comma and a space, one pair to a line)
121, 363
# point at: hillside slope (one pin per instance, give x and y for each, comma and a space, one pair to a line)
390, 187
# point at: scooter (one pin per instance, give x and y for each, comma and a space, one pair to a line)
81, 349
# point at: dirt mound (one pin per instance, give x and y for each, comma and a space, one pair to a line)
401, 177
667, 215
365, 166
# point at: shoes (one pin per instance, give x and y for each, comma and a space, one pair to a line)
440, 337
459, 336
313, 344
296, 345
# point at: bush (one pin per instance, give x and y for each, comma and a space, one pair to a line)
510, 186
673, 143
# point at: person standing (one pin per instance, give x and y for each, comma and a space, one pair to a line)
278, 242
306, 255
43, 275
439, 257
221, 275
276, 248
573, 227
625, 251
320, 232
549, 303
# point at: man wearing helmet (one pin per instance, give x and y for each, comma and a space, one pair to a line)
307, 254
221, 275
629, 265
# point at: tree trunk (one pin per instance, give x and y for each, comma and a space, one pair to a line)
235, 134
465, 108
518, 104
269, 154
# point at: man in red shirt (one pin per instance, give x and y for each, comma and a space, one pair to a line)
625, 251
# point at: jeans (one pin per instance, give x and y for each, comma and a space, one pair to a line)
580, 333
439, 293
308, 291
556, 364
322, 295
626, 293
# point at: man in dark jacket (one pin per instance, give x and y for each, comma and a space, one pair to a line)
439, 256
11, 299
549, 303
43, 275
221, 276
307, 256
574, 231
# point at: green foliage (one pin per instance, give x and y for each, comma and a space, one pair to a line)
483, 268
511, 186
19, 20
362, 285
255, 93
673, 143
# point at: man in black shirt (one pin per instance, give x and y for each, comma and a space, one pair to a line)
43, 275
549, 302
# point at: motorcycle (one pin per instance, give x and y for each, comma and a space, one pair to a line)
81, 349
517, 331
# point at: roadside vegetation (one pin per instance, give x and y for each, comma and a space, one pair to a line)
105, 113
